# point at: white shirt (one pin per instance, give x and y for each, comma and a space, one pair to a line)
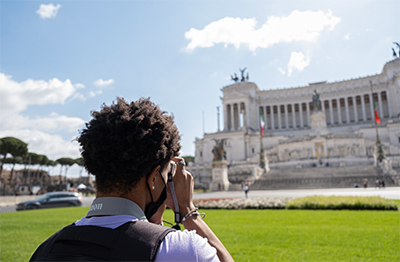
176, 246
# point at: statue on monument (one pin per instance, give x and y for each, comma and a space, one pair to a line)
242, 72
218, 150
394, 52
235, 78
316, 101
243, 77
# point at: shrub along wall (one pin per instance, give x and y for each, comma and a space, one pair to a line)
312, 202
342, 202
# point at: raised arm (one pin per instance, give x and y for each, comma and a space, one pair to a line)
184, 184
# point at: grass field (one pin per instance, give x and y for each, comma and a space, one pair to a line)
250, 235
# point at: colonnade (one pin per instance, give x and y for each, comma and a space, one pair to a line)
234, 116
338, 111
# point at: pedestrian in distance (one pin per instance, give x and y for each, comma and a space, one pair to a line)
377, 184
365, 183
132, 149
246, 189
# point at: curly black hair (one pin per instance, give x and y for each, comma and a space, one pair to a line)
124, 142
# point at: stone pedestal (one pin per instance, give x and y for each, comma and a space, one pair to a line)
318, 124
219, 180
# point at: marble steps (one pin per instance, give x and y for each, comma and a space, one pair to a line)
321, 177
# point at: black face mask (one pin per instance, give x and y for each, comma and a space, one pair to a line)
152, 207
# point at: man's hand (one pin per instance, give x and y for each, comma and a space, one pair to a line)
184, 184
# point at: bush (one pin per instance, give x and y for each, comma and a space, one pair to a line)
241, 203
342, 202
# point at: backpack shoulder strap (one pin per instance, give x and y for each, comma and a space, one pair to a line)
142, 238
133, 241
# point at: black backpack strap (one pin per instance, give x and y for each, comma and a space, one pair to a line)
133, 241
143, 239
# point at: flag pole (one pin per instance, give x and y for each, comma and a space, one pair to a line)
379, 150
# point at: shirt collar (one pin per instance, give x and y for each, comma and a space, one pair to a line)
111, 206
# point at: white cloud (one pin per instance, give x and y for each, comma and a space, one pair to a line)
79, 86
297, 26
51, 145
16, 97
347, 36
50, 123
48, 11
281, 71
41, 132
103, 83
297, 61
95, 93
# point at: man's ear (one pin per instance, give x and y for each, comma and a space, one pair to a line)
152, 177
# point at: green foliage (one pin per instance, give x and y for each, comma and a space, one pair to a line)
342, 202
13, 146
79, 161
52, 163
249, 235
35, 159
12, 160
188, 159
44, 160
66, 161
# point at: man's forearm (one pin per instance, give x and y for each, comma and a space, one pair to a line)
202, 229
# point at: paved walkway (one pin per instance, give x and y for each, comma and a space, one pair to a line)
390, 192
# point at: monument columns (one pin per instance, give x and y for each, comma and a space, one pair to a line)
331, 111
363, 107
272, 117
245, 116
355, 109
380, 105
279, 117
232, 118
301, 115
389, 105
308, 114
226, 118
346, 105
371, 105
286, 116
294, 115
339, 111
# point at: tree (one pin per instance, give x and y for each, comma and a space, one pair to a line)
16, 148
79, 162
13, 146
188, 159
35, 159
66, 162
13, 161
51, 164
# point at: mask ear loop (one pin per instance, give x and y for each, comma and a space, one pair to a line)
148, 187
178, 217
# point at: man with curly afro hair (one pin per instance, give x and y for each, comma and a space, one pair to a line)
132, 149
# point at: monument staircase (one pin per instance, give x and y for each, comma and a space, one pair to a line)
320, 177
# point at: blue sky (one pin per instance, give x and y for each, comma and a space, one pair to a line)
62, 59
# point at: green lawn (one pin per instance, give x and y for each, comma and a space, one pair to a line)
250, 235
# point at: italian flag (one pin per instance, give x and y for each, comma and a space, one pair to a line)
262, 123
377, 119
